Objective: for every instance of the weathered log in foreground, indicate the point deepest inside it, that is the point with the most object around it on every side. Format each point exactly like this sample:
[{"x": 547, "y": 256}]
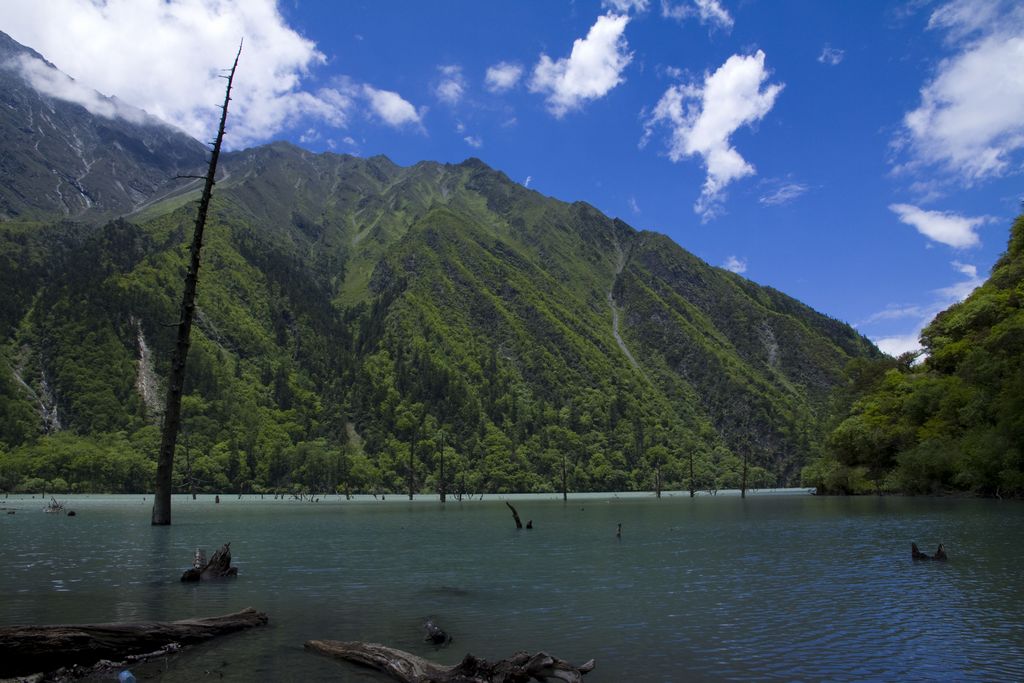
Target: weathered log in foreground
[
  {"x": 219, "y": 566},
  {"x": 409, "y": 668},
  {"x": 33, "y": 649}
]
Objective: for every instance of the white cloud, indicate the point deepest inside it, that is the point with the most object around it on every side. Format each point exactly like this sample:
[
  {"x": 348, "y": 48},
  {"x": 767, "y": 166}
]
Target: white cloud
[
  {"x": 503, "y": 76},
  {"x": 831, "y": 55},
  {"x": 707, "y": 11},
  {"x": 948, "y": 228},
  {"x": 969, "y": 120},
  {"x": 474, "y": 141},
  {"x": 634, "y": 207},
  {"x": 702, "y": 118},
  {"x": 894, "y": 312},
  {"x": 967, "y": 269},
  {"x": 895, "y": 344},
  {"x": 736, "y": 265},
  {"x": 674, "y": 72},
  {"x": 54, "y": 83},
  {"x": 623, "y": 6},
  {"x": 165, "y": 57},
  {"x": 391, "y": 108},
  {"x": 591, "y": 70},
  {"x": 452, "y": 85},
  {"x": 529, "y": 179},
  {"x": 783, "y": 194}
]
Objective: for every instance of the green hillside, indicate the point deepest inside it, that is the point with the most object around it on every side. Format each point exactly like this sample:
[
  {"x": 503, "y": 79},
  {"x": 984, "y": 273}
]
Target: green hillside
[
  {"x": 354, "y": 314},
  {"x": 954, "y": 422}
]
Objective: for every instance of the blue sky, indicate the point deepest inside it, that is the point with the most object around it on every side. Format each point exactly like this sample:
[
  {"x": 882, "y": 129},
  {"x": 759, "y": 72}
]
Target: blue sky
[{"x": 864, "y": 157}]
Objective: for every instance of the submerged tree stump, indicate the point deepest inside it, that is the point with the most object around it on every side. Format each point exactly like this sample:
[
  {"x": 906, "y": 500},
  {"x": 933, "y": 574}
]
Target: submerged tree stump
[
  {"x": 219, "y": 566},
  {"x": 27, "y": 650},
  {"x": 409, "y": 668}
]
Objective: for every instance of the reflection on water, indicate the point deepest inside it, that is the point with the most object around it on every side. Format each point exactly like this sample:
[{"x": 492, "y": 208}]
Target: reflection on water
[{"x": 788, "y": 587}]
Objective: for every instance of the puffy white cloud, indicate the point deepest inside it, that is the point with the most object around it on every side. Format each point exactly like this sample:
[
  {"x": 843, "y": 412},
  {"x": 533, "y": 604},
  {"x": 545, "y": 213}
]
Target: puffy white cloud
[
  {"x": 623, "y": 6},
  {"x": 503, "y": 76},
  {"x": 391, "y": 108},
  {"x": 706, "y": 11},
  {"x": 736, "y": 265},
  {"x": 529, "y": 179},
  {"x": 831, "y": 55},
  {"x": 969, "y": 120},
  {"x": 592, "y": 69},
  {"x": 948, "y": 228},
  {"x": 474, "y": 141},
  {"x": 702, "y": 118},
  {"x": 452, "y": 85},
  {"x": 165, "y": 57},
  {"x": 633, "y": 206},
  {"x": 783, "y": 193}
]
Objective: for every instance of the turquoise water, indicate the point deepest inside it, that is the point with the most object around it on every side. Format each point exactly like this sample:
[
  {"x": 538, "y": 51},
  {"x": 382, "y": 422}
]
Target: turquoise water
[{"x": 791, "y": 587}]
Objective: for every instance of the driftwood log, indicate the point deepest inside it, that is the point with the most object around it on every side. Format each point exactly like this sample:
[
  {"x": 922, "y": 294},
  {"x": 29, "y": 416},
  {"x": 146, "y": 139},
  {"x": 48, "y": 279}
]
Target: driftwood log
[
  {"x": 27, "y": 650},
  {"x": 409, "y": 668},
  {"x": 219, "y": 566}
]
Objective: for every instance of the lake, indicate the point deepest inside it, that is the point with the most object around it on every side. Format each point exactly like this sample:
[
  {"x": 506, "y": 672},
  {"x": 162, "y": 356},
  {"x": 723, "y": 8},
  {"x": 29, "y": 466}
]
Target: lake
[{"x": 774, "y": 586}]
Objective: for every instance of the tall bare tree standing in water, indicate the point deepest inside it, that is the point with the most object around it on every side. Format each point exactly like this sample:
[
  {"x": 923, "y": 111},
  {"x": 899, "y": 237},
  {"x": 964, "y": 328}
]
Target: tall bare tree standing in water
[{"x": 172, "y": 410}]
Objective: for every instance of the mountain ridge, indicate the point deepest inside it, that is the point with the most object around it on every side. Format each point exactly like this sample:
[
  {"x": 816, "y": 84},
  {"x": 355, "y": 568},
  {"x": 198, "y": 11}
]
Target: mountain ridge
[{"x": 352, "y": 311}]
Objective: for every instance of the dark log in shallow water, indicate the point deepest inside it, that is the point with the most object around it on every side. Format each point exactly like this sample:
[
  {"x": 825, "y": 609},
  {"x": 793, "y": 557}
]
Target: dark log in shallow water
[
  {"x": 436, "y": 635},
  {"x": 940, "y": 553},
  {"x": 27, "y": 650},
  {"x": 409, "y": 668},
  {"x": 219, "y": 566}
]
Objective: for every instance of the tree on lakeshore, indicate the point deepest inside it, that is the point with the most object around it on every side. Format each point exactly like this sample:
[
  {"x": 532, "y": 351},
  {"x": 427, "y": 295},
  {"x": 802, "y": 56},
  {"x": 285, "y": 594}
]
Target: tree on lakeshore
[{"x": 172, "y": 412}]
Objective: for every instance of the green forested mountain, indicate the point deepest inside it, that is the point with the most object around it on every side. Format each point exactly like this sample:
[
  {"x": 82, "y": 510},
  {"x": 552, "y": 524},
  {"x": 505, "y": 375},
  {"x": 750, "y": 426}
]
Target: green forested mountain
[
  {"x": 954, "y": 422},
  {"x": 358, "y": 319}
]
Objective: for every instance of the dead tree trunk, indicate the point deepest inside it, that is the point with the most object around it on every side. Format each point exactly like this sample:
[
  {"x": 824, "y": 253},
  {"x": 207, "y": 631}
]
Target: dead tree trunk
[
  {"x": 176, "y": 382},
  {"x": 693, "y": 489},
  {"x": 515, "y": 515},
  {"x": 27, "y": 650},
  {"x": 409, "y": 668}
]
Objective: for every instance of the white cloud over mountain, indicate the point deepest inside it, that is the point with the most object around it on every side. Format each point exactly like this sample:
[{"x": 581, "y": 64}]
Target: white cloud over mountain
[
  {"x": 736, "y": 265},
  {"x": 165, "y": 56},
  {"x": 943, "y": 298},
  {"x": 702, "y": 118},
  {"x": 592, "y": 69},
  {"x": 391, "y": 108}
]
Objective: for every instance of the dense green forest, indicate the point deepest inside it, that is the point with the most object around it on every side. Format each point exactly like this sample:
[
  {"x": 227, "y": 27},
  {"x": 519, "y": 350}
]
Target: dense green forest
[
  {"x": 360, "y": 321},
  {"x": 954, "y": 421}
]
